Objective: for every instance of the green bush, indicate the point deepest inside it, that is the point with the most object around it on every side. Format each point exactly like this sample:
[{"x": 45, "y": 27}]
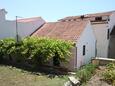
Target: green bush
[
  {"x": 109, "y": 74},
  {"x": 38, "y": 50},
  {"x": 6, "y": 48},
  {"x": 85, "y": 73},
  {"x": 41, "y": 50},
  {"x": 110, "y": 66}
]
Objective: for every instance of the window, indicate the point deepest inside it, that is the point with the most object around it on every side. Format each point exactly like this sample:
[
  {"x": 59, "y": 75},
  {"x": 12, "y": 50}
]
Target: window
[
  {"x": 98, "y": 18},
  {"x": 84, "y": 50},
  {"x": 69, "y": 19},
  {"x": 82, "y": 17},
  {"x": 74, "y": 19},
  {"x": 107, "y": 33},
  {"x": 108, "y": 19}
]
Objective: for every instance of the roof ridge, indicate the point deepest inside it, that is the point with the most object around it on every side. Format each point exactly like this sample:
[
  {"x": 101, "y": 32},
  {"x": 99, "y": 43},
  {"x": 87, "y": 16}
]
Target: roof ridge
[
  {"x": 28, "y": 18},
  {"x": 89, "y": 14},
  {"x": 65, "y": 21}
]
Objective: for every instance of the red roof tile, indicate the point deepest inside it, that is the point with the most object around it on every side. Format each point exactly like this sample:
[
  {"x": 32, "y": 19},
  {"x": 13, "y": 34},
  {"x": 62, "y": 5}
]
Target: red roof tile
[{"x": 70, "y": 30}]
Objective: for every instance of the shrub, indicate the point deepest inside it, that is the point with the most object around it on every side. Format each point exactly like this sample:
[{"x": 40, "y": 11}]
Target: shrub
[
  {"x": 37, "y": 50},
  {"x": 109, "y": 74},
  {"x": 85, "y": 73},
  {"x": 110, "y": 66},
  {"x": 41, "y": 50},
  {"x": 6, "y": 48},
  {"x": 1, "y": 51}
]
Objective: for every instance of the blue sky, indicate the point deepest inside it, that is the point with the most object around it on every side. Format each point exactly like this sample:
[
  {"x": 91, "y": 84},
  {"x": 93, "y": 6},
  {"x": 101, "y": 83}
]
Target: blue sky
[{"x": 52, "y": 10}]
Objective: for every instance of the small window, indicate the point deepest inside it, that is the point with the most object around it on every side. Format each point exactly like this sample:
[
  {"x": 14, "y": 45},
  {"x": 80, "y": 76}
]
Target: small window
[
  {"x": 108, "y": 19},
  {"x": 84, "y": 49},
  {"x": 74, "y": 19},
  {"x": 69, "y": 19},
  {"x": 107, "y": 33},
  {"x": 82, "y": 17},
  {"x": 98, "y": 18}
]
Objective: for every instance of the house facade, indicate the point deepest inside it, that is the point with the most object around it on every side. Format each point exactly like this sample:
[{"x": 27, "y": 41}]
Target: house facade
[
  {"x": 25, "y": 27},
  {"x": 103, "y": 28},
  {"x": 80, "y": 33},
  {"x": 86, "y": 46}
]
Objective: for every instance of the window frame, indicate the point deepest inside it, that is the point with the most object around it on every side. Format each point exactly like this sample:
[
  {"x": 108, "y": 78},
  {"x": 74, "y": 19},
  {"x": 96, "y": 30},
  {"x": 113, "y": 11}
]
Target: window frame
[
  {"x": 98, "y": 18},
  {"x": 84, "y": 50},
  {"x": 108, "y": 33}
]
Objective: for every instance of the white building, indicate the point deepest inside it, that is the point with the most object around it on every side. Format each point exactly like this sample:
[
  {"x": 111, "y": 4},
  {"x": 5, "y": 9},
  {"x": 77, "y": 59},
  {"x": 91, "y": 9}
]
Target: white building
[
  {"x": 103, "y": 25},
  {"x": 80, "y": 33},
  {"x": 25, "y": 27}
]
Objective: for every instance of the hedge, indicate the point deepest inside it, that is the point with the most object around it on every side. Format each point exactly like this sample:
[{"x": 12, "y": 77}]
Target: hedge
[{"x": 37, "y": 50}]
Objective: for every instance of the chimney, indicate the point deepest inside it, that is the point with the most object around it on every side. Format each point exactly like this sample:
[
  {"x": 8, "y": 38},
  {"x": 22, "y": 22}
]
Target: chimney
[{"x": 3, "y": 14}]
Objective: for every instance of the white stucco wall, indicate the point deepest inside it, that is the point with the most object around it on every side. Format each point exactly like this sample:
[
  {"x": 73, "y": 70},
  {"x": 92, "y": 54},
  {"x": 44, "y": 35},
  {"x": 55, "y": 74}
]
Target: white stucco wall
[
  {"x": 112, "y": 21},
  {"x": 8, "y": 28},
  {"x": 100, "y": 31},
  {"x": 87, "y": 38},
  {"x": 27, "y": 28}
]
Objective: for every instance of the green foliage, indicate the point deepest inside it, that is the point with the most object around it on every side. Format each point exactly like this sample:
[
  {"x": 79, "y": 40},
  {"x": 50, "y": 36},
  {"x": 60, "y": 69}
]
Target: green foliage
[
  {"x": 38, "y": 50},
  {"x": 41, "y": 50},
  {"x": 111, "y": 66},
  {"x": 6, "y": 48},
  {"x": 85, "y": 73},
  {"x": 109, "y": 74}
]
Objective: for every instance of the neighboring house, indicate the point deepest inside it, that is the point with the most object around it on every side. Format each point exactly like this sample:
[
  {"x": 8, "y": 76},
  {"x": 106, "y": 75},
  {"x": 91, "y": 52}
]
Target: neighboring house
[
  {"x": 103, "y": 25},
  {"x": 25, "y": 27},
  {"x": 80, "y": 33}
]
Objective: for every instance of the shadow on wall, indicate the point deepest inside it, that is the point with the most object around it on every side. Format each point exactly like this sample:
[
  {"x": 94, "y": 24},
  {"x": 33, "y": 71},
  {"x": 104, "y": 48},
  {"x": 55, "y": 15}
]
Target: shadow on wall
[{"x": 111, "y": 53}]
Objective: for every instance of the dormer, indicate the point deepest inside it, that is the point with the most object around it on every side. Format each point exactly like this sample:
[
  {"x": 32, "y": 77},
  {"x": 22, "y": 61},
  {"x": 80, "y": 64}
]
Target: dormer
[
  {"x": 2, "y": 14},
  {"x": 99, "y": 18}
]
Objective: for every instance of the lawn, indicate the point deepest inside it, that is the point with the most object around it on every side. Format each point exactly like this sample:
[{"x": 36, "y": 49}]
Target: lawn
[{"x": 11, "y": 76}]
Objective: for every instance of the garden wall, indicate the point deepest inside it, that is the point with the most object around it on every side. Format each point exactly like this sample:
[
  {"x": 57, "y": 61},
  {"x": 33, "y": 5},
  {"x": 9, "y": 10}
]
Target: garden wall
[{"x": 102, "y": 61}]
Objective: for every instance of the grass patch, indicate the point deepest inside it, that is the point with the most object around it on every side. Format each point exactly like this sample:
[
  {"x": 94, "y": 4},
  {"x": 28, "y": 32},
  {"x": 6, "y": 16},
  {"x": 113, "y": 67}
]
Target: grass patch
[
  {"x": 85, "y": 73},
  {"x": 12, "y": 76},
  {"x": 109, "y": 73}
]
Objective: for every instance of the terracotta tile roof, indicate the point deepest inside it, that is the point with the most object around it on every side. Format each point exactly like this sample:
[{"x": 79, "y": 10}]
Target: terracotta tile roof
[
  {"x": 70, "y": 30},
  {"x": 28, "y": 19},
  {"x": 88, "y": 15}
]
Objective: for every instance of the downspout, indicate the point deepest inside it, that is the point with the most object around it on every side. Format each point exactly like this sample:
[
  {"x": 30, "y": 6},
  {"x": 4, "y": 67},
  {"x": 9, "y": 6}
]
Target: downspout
[
  {"x": 96, "y": 48},
  {"x": 107, "y": 37}
]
